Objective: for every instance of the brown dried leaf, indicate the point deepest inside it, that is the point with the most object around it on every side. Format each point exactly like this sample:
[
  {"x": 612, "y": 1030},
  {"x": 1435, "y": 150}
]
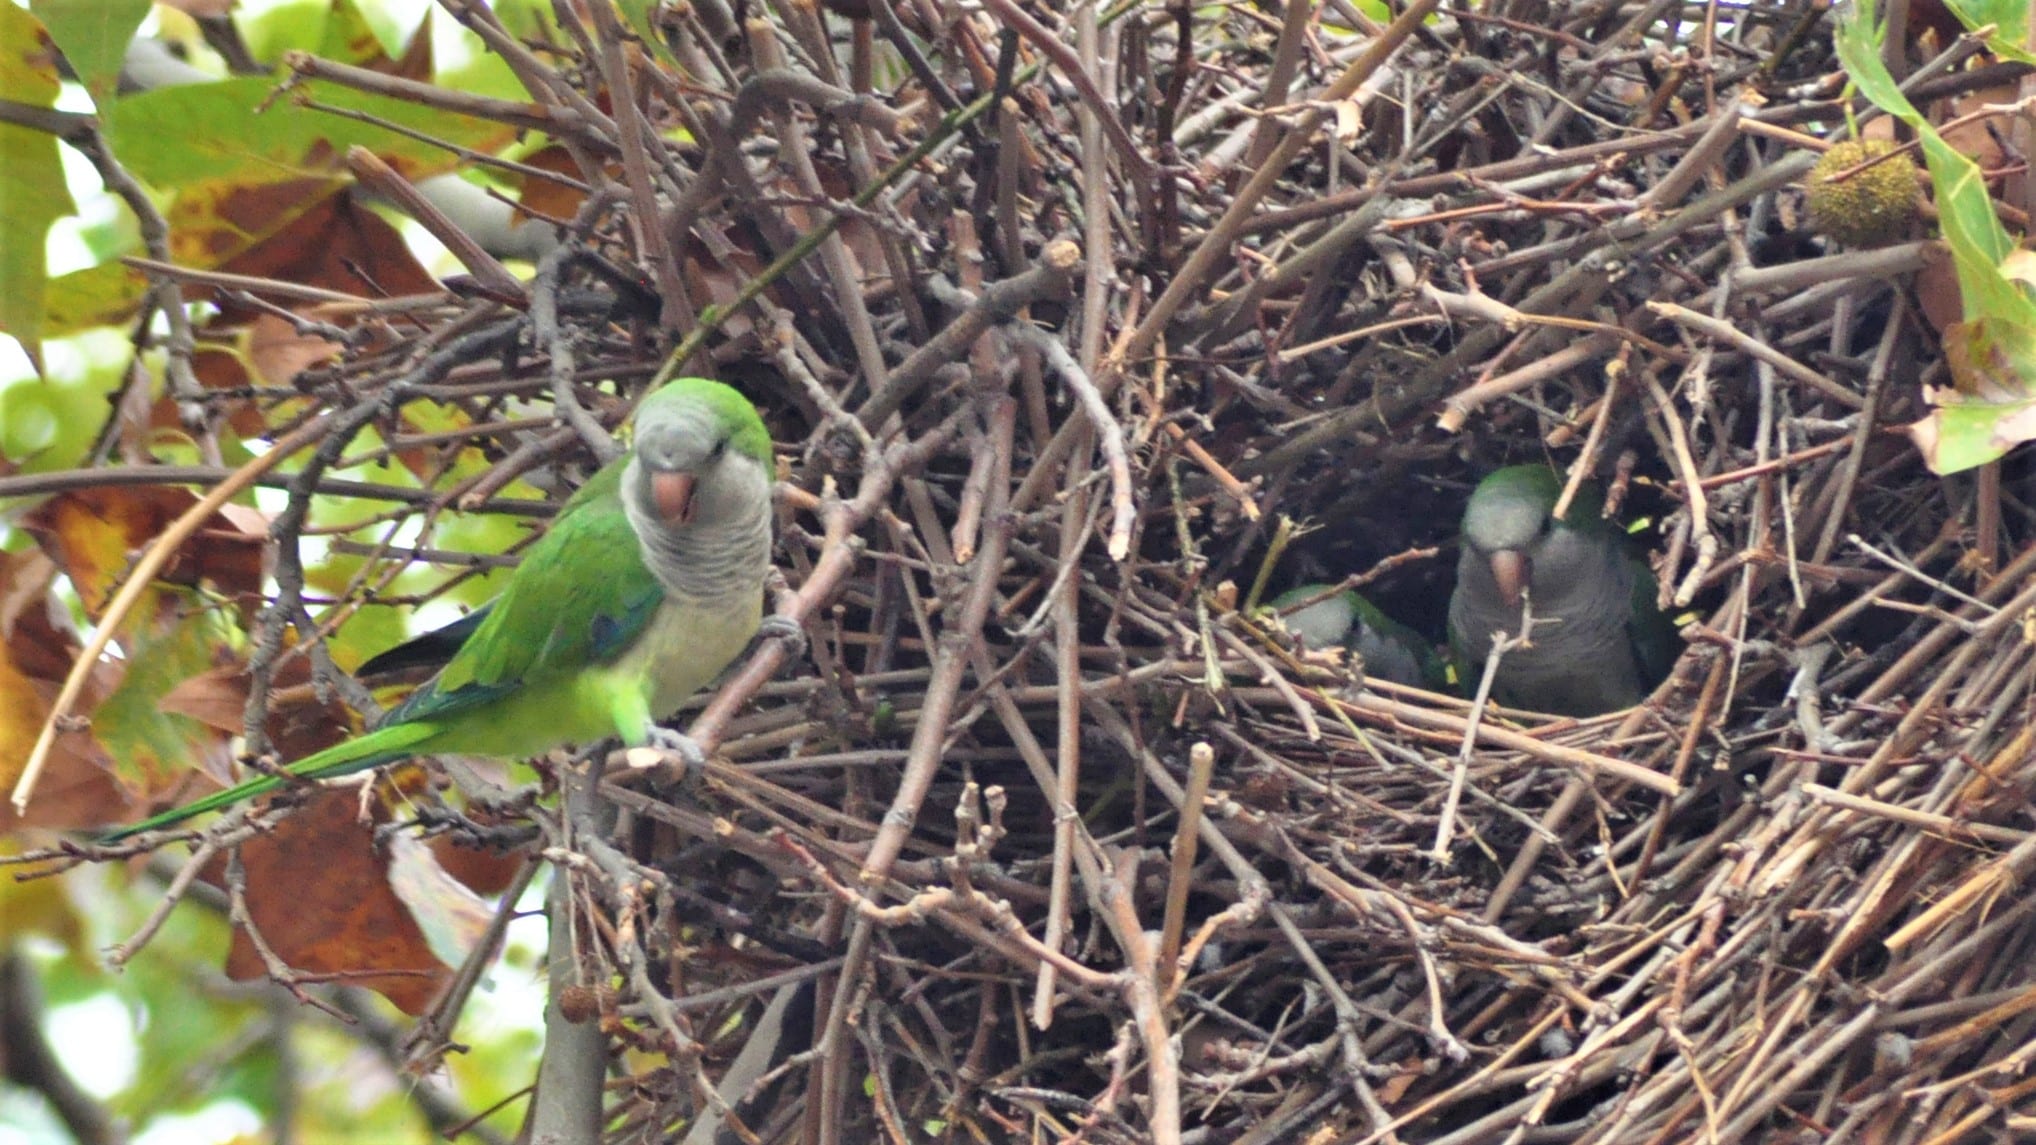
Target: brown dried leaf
[
  {"x": 279, "y": 353},
  {"x": 320, "y": 895},
  {"x": 298, "y": 723},
  {"x": 95, "y": 534}
]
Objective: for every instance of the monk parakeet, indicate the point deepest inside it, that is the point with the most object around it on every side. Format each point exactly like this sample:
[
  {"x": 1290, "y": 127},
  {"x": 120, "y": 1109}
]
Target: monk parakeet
[
  {"x": 1600, "y": 642},
  {"x": 646, "y": 586},
  {"x": 1388, "y": 649}
]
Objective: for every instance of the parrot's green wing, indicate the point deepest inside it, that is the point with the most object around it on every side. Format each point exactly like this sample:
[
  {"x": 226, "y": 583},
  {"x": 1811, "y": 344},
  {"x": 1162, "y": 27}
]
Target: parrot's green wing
[
  {"x": 1651, "y": 630},
  {"x": 434, "y": 648},
  {"x": 555, "y": 617},
  {"x": 581, "y": 595},
  {"x": 1432, "y": 669}
]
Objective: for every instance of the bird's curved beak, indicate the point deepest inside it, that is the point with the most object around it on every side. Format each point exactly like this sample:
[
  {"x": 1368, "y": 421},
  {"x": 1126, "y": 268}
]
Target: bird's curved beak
[
  {"x": 672, "y": 494},
  {"x": 1511, "y": 570}
]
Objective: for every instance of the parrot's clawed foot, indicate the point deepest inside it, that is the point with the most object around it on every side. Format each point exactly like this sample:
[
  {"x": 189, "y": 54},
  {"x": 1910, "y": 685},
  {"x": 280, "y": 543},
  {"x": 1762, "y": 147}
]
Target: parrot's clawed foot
[
  {"x": 681, "y": 745},
  {"x": 778, "y": 626}
]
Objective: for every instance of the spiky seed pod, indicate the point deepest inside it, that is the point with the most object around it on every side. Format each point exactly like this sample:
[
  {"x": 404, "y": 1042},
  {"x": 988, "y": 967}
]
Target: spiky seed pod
[{"x": 1873, "y": 206}]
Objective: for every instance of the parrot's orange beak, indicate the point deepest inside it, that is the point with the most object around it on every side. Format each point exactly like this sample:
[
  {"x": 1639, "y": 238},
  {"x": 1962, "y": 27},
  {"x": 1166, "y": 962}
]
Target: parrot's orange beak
[
  {"x": 672, "y": 494},
  {"x": 1511, "y": 570}
]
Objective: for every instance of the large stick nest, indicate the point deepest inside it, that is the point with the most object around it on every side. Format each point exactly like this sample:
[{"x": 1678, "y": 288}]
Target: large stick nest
[{"x": 1046, "y": 394}]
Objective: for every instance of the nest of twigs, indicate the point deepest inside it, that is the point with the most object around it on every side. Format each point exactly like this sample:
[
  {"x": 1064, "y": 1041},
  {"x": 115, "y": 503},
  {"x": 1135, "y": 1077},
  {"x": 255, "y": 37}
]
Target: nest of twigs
[{"x": 1069, "y": 843}]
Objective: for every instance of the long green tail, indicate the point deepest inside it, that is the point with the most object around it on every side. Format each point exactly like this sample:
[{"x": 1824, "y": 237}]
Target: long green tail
[{"x": 384, "y": 745}]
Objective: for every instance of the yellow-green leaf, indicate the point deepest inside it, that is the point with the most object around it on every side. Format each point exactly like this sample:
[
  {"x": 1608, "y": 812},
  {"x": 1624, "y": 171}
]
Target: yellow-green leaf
[{"x": 94, "y": 35}]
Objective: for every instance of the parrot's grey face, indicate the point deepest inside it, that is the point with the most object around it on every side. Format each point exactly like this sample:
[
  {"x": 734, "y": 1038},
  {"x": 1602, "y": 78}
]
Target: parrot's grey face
[
  {"x": 685, "y": 469},
  {"x": 1522, "y": 543}
]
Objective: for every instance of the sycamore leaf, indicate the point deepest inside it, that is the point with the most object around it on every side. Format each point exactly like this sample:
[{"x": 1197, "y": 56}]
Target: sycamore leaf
[
  {"x": 452, "y": 917},
  {"x": 318, "y": 890},
  {"x": 1992, "y": 352},
  {"x": 33, "y": 193},
  {"x": 94, "y": 35},
  {"x": 1989, "y": 407},
  {"x": 2009, "y": 20}
]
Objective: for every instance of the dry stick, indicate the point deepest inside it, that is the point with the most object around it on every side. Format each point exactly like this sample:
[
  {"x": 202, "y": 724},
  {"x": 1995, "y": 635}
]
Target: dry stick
[
  {"x": 923, "y": 758},
  {"x": 1097, "y": 279},
  {"x": 1255, "y": 896},
  {"x": 1109, "y": 435},
  {"x": 1693, "y": 491},
  {"x": 1286, "y": 64},
  {"x": 1848, "y": 475},
  {"x": 1237, "y": 312},
  {"x": 250, "y": 284},
  {"x": 1956, "y": 830},
  {"x": 1882, "y": 264},
  {"x": 516, "y": 113},
  {"x": 1727, "y": 333},
  {"x": 1214, "y": 248},
  {"x": 834, "y": 253},
  {"x": 494, "y": 278},
  {"x": 1068, "y": 735},
  {"x": 1000, "y": 301},
  {"x": 1181, "y": 871},
  {"x": 1987, "y": 611},
  {"x": 1700, "y": 716},
  {"x": 1142, "y": 172},
  {"x": 546, "y": 332},
  {"x": 138, "y": 476},
  {"x": 635, "y": 139},
  {"x": 164, "y": 298},
  {"x": 1467, "y": 401},
  {"x": 1591, "y": 253},
  {"x": 1590, "y": 763},
  {"x": 1143, "y": 986},
  {"x": 1445, "y": 823},
  {"x": 137, "y": 582},
  {"x": 710, "y": 319}
]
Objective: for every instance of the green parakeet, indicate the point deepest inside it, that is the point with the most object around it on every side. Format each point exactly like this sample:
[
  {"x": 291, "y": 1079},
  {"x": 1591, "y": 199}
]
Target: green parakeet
[
  {"x": 1388, "y": 649},
  {"x": 646, "y": 586},
  {"x": 1600, "y": 642}
]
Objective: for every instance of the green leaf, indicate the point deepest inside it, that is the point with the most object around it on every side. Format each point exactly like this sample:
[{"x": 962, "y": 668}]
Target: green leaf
[
  {"x": 49, "y": 424},
  {"x": 1963, "y": 435},
  {"x": 2010, "y": 19},
  {"x": 33, "y": 193},
  {"x": 283, "y": 28},
  {"x": 28, "y": 68},
  {"x": 101, "y": 295},
  {"x": 348, "y": 37},
  {"x": 148, "y": 743},
  {"x": 220, "y": 133},
  {"x": 94, "y": 35},
  {"x": 1992, "y": 352},
  {"x": 32, "y": 196},
  {"x": 1978, "y": 241}
]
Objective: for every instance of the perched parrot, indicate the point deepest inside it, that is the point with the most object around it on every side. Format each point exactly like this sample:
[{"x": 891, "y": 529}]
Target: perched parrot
[
  {"x": 1388, "y": 649},
  {"x": 646, "y": 586},
  {"x": 1600, "y": 642}
]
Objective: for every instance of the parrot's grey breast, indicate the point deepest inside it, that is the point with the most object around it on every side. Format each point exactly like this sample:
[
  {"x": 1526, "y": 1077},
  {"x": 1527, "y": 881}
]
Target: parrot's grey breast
[{"x": 1580, "y": 660}]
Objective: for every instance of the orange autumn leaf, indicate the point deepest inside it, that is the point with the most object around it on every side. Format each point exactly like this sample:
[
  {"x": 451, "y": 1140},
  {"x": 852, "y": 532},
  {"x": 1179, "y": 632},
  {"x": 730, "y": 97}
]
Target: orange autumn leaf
[{"x": 95, "y": 534}]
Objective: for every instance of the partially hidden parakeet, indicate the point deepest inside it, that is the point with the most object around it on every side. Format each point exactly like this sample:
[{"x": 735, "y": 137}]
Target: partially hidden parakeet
[
  {"x": 645, "y": 588},
  {"x": 1388, "y": 649},
  {"x": 1600, "y": 641}
]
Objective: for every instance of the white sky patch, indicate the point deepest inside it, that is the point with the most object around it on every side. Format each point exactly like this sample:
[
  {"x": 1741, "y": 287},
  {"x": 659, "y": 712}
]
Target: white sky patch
[
  {"x": 221, "y": 1121},
  {"x": 95, "y": 1039}
]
